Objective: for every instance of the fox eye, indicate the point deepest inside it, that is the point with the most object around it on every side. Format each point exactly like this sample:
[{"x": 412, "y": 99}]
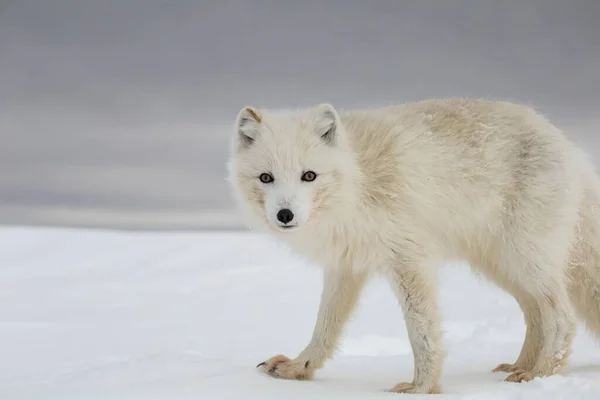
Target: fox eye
[
  {"x": 266, "y": 178},
  {"x": 309, "y": 176}
]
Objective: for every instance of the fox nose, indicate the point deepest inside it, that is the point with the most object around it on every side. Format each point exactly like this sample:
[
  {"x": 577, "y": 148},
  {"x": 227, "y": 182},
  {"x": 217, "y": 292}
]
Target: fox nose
[{"x": 285, "y": 215}]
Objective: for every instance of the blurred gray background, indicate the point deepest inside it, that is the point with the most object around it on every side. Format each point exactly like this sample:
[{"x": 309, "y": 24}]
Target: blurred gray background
[{"x": 117, "y": 113}]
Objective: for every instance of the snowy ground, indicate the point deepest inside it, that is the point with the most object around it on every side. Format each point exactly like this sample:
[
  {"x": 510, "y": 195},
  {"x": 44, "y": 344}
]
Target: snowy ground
[{"x": 103, "y": 315}]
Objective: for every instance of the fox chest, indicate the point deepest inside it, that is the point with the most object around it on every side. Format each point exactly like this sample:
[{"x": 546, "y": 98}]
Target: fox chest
[{"x": 345, "y": 251}]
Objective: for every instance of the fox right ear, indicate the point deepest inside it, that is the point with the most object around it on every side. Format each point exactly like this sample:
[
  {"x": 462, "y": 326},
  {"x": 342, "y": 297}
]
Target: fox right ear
[{"x": 247, "y": 126}]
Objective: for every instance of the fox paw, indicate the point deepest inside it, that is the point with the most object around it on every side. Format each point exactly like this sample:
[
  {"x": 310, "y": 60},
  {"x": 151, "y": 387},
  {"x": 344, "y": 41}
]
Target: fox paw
[
  {"x": 405, "y": 387},
  {"x": 524, "y": 376},
  {"x": 282, "y": 367},
  {"x": 507, "y": 368}
]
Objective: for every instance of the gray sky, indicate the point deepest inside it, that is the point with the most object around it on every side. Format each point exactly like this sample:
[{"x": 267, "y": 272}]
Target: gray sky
[{"x": 117, "y": 113}]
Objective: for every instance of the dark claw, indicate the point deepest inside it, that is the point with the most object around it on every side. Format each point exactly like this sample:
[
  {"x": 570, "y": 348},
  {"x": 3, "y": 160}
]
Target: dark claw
[{"x": 261, "y": 364}]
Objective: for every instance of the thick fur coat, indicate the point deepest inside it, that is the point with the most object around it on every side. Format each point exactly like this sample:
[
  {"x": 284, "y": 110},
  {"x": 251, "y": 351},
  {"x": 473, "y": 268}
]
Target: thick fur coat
[{"x": 397, "y": 190}]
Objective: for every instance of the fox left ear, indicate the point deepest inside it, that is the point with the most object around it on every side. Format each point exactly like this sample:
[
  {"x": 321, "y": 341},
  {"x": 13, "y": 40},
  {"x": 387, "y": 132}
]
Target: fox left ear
[{"x": 327, "y": 124}]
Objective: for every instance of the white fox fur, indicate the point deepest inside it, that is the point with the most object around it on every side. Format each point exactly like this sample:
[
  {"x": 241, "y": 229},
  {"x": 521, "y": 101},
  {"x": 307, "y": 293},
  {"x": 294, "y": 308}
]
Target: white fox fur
[{"x": 400, "y": 189}]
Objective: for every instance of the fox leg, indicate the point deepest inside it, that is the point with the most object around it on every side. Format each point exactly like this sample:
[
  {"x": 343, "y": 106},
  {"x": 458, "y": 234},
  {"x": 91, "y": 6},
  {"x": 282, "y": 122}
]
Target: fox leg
[
  {"x": 533, "y": 336},
  {"x": 557, "y": 326},
  {"x": 415, "y": 285},
  {"x": 341, "y": 291},
  {"x": 541, "y": 275}
]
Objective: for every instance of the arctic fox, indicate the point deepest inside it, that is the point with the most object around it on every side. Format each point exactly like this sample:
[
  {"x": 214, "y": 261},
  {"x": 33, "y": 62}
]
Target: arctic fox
[{"x": 395, "y": 190}]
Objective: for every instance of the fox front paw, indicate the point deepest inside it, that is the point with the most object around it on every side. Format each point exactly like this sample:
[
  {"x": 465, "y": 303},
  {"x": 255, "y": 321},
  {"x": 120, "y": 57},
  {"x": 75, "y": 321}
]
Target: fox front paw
[
  {"x": 405, "y": 387},
  {"x": 282, "y": 367}
]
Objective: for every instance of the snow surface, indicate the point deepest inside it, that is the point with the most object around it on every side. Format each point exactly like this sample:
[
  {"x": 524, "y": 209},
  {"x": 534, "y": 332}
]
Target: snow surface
[{"x": 105, "y": 315}]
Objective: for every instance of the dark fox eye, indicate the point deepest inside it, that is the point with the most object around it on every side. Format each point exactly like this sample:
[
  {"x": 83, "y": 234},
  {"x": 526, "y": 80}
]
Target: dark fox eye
[
  {"x": 309, "y": 176},
  {"x": 266, "y": 178}
]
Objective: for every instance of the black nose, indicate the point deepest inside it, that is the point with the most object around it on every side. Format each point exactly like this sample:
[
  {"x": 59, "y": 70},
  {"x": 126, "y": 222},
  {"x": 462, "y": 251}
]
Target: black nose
[{"x": 285, "y": 215}]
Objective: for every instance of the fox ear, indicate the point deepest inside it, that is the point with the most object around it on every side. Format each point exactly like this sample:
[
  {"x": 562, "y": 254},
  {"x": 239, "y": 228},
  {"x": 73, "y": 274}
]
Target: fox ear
[
  {"x": 327, "y": 124},
  {"x": 247, "y": 125}
]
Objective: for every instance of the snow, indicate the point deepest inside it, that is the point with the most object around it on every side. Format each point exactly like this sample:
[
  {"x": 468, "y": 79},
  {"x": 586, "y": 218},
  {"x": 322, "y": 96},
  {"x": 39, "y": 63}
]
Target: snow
[{"x": 121, "y": 315}]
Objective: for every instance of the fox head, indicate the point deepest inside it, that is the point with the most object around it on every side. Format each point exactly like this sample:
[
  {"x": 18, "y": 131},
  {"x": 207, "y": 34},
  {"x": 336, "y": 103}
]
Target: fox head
[{"x": 288, "y": 168}]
